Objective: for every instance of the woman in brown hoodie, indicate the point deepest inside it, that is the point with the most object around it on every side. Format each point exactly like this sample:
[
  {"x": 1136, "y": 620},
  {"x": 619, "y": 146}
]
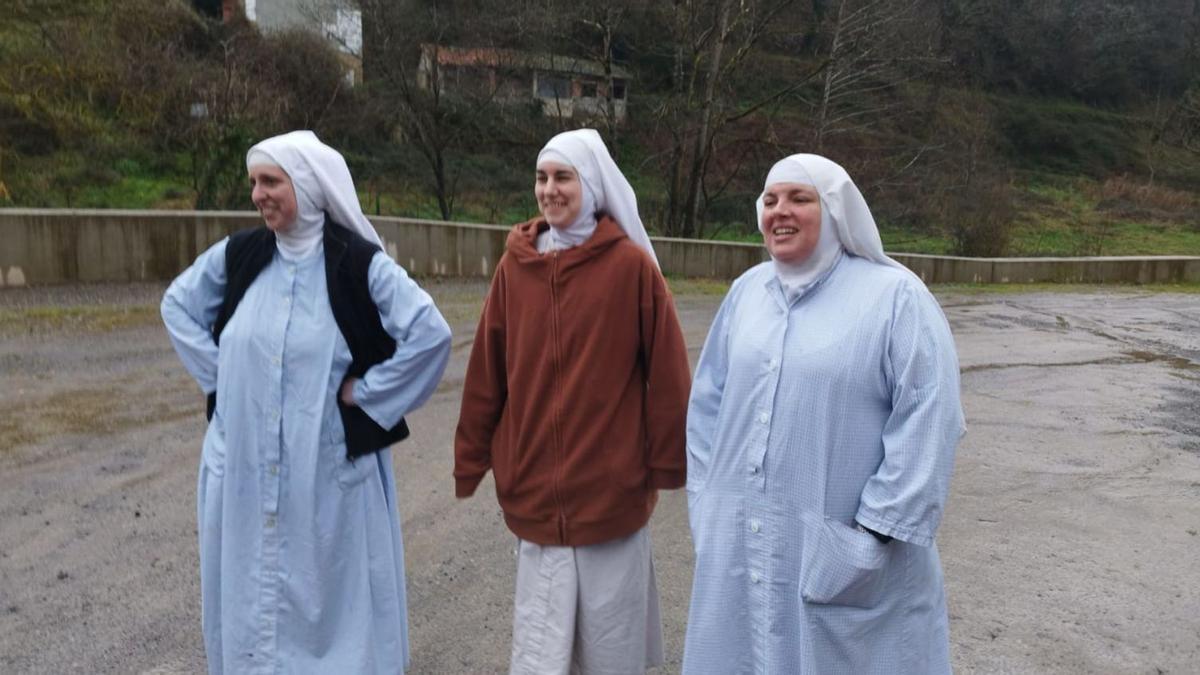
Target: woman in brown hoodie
[{"x": 575, "y": 397}]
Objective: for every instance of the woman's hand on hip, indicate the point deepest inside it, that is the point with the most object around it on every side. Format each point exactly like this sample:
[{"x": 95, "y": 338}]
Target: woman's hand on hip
[{"x": 347, "y": 393}]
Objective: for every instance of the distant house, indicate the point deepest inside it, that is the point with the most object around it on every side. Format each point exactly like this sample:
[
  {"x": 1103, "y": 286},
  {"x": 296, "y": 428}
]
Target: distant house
[
  {"x": 338, "y": 21},
  {"x": 566, "y": 86}
]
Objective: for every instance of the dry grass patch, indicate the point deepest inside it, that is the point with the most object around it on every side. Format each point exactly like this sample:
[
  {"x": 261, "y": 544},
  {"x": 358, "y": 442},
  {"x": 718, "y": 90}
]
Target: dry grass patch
[
  {"x": 41, "y": 320},
  {"x": 1124, "y": 197},
  {"x": 96, "y": 411},
  {"x": 706, "y": 287}
]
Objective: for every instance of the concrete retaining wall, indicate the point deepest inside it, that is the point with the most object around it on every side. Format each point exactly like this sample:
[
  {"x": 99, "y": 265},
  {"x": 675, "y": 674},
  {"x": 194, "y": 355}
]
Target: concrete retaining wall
[
  {"x": 48, "y": 246},
  {"x": 1107, "y": 269}
]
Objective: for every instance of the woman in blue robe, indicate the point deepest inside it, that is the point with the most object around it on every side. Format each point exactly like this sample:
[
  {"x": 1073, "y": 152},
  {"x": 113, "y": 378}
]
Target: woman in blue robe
[
  {"x": 301, "y": 559},
  {"x": 822, "y": 425}
]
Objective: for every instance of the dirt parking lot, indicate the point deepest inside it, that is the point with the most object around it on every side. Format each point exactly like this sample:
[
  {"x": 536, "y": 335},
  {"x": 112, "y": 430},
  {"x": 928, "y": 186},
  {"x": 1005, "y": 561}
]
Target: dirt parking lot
[{"x": 1071, "y": 542}]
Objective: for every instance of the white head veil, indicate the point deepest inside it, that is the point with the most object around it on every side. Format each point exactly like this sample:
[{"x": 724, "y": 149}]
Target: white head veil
[
  {"x": 844, "y": 215},
  {"x": 322, "y": 183},
  {"x": 605, "y": 189},
  {"x": 584, "y": 225}
]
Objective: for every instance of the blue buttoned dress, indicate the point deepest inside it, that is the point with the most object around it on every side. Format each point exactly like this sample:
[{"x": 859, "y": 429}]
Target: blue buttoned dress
[
  {"x": 806, "y": 416},
  {"x": 301, "y": 560}
]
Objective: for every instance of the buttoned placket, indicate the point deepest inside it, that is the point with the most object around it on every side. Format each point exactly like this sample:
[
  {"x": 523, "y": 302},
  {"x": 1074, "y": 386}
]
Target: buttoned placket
[
  {"x": 271, "y": 467},
  {"x": 757, "y": 518},
  {"x": 760, "y": 433}
]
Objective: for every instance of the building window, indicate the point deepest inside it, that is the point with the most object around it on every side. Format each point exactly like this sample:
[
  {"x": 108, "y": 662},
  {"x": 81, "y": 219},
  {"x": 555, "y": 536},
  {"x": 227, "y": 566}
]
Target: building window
[
  {"x": 618, "y": 92},
  {"x": 550, "y": 86},
  {"x": 588, "y": 90},
  {"x": 512, "y": 85}
]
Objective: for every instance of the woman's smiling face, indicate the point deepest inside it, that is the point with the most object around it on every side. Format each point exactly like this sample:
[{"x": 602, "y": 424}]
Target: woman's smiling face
[
  {"x": 274, "y": 196},
  {"x": 791, "y": 221},
  {"x": 559, "y": 193}
]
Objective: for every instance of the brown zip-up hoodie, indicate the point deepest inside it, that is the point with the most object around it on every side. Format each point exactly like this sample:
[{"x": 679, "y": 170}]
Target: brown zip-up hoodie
[{"x": 576, "y": 391}]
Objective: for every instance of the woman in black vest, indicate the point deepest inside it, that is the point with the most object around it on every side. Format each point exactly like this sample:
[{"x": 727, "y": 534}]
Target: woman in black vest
[{"x": 312, "y": 344}]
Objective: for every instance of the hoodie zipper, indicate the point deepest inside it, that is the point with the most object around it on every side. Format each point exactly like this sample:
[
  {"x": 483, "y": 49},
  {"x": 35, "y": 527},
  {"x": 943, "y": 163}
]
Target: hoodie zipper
[{"x": 557, "y": 408}]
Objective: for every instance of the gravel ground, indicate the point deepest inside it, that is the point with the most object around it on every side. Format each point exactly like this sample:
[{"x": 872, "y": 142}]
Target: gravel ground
[{"x": 1070, "y": 542}]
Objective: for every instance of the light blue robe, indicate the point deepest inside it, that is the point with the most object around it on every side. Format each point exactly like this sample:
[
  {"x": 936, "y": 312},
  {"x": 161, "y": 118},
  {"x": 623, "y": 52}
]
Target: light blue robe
[
  {"x": 301, "y": 560},
  {"x": 842, "y": 406}
]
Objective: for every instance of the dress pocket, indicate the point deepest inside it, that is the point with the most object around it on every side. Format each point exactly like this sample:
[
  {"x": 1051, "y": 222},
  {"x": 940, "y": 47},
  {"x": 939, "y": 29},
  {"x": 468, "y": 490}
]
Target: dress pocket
[
  {"x": 348, "y": 473},
  {"x": 212, "y": 455},
  {"x": 503, "y": 457},
  {"x": 841, "y": 565}
]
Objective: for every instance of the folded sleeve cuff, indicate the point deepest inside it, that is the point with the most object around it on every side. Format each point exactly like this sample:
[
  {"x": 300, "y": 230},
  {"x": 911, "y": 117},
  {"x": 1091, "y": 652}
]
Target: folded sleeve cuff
[
  {"x": 465, "y": 487},
  {"x": 871, "y": 520}
]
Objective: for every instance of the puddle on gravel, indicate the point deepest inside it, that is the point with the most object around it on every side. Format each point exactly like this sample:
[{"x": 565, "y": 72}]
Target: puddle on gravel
[
  {"x": 1181, "y": 413},
  {"x": 1128, "y": 357},
  {"x": 1169, "y": 359}
]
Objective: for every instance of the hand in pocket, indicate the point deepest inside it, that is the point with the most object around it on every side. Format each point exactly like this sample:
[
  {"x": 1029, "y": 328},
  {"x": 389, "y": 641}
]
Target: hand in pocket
[{"x": 841, "y": 565}]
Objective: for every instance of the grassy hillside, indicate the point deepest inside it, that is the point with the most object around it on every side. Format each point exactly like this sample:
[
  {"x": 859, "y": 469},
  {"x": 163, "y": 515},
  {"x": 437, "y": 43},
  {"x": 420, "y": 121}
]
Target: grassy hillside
[
  {"x": 1057, "y": 214},
  {"x": 97, "y": 111}
]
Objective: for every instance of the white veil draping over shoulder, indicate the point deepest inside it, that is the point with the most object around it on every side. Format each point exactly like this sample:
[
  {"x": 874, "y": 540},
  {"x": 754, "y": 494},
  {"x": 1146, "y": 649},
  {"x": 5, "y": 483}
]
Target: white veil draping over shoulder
[
  {"x": 322, "y": 183},
  {"x": 851, "y": 217},
  {"x": 610, "y": 192}
]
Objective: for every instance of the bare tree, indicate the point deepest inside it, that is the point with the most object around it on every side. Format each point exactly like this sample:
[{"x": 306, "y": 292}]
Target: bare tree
[
  {"x": 972, "y": 192},
  {"x": 1186, "y": 123},
  {"x": 711, "y": 42},
  {"x": 871, "y": 51},
  {"x": 606, "y": 19},
  {"x": 404, "y": 48}
]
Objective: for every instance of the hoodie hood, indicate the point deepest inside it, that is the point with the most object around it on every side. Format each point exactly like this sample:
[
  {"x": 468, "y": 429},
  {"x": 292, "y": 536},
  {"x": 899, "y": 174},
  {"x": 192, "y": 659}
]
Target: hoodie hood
[{"x": 522, "y": 243}]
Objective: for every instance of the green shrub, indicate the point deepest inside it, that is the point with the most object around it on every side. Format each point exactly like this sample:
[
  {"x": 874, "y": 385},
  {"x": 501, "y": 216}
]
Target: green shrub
[{"x": 1067, "y": 138}]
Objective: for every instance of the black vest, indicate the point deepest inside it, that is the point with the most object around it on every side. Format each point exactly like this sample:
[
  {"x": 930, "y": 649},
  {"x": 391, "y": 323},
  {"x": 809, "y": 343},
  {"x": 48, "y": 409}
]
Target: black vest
[{"x": 347, "y": 264}]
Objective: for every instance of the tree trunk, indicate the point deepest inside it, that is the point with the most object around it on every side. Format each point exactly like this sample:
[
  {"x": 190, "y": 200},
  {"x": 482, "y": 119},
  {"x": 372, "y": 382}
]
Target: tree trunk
[
  {"x": 701, "y": 147},
  {"x": 830, "y": 74},
  {"x": 441, "y": 187},
  {"x": 610, "y": 101}
]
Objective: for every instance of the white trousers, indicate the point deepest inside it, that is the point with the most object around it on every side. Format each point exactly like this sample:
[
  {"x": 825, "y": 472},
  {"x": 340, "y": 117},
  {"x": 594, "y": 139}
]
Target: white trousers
[{"x": 587, "y": 610}]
